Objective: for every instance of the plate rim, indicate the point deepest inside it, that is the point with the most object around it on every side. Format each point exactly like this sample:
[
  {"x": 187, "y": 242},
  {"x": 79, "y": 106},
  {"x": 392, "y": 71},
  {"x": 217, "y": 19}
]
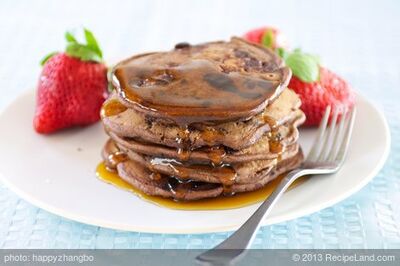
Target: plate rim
[{"x": 217, "y": 229}]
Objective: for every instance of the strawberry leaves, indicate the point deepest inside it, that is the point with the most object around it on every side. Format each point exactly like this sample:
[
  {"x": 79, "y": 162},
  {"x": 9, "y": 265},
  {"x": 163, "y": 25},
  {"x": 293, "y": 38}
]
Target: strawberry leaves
[
  {"x": 47, "y": 57},
  {"x": 89, "y": 51},
  {"x": 69, "y": 37},
  {"x": 267, "y": 38},
  {"x": 92, "y": 43},
  {"x": 82, "y": 52}
]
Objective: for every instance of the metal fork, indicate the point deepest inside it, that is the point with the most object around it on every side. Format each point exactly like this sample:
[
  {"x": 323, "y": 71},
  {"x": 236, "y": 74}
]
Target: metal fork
[{"x": 325, "y": 157}]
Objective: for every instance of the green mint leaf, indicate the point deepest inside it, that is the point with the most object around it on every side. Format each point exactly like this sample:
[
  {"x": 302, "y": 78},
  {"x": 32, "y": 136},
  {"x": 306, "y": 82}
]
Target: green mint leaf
[
  {"x": 91, "y": 42},
  {"x": 304, "y": 66},
  {"x": 70, "y": 37},
  {"x": 82, "y": 52},
  {"x": 282, "y": 52},
  {"x": 47, "y": 57},
  {"x": 267, "y": 38}
]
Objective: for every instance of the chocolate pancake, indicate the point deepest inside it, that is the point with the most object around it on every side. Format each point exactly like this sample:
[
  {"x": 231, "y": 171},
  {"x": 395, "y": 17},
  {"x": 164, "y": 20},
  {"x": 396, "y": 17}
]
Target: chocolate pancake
[
  {"x": 217, "y": 81},
  {"x": 244, "y": 172},
  {"x": 237, "y": 135},
  {"x": 258, "y": 151},
  {"x": 169, "y": 187}
]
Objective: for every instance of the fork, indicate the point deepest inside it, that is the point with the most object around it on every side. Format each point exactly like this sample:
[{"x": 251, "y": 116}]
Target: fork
[{"x": 326, "y": 156}]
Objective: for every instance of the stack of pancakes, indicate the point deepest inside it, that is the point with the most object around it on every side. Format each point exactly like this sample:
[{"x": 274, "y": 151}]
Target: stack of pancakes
[{"x": 202, "y": 120}]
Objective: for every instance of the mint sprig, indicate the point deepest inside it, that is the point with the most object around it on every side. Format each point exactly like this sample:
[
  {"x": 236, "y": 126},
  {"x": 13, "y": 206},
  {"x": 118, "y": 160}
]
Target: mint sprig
[
  {"x": 88, "y": 51},
  {"x": 281, "y": 52},
  {"x": 304, "y": 66}
]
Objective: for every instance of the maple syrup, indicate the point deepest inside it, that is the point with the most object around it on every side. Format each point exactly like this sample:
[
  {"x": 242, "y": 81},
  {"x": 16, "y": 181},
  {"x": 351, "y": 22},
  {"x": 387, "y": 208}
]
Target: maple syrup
[
  {"x": 112, "y": 107},
  {"x": 274, "y": 137},
  {"x": 219, "y": 203},
  {"x": 209, "y": 135},
  {"x": 275, "y": 142},
  {"x": 216, "y": 155},
  {"x": 183, "y": 142},
  {"x": 183, "y": 154},
  {"x": 225, "y": 174},
  {"x": 115, "y": 158},
  {"x": 273, "y": 124}
]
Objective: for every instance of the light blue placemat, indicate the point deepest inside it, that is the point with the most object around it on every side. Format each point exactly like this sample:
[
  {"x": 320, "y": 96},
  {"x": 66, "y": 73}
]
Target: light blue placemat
[{"x": 358, "y": 39}]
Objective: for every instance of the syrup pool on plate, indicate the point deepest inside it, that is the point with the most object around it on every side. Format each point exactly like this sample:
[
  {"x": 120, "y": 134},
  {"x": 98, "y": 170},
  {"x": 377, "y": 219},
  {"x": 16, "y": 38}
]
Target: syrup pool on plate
[{"x": 219, "y": 203}]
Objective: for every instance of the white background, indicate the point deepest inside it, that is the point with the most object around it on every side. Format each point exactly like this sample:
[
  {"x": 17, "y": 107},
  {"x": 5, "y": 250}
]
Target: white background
[{"x": 354, "y": 38}]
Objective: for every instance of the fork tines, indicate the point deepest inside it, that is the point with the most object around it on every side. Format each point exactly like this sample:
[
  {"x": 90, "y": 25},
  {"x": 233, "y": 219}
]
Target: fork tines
[{"x": 332, "y": 141}]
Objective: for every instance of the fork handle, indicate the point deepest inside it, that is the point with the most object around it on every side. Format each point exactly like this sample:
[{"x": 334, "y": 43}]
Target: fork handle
[{"x": 242, "y": 238}]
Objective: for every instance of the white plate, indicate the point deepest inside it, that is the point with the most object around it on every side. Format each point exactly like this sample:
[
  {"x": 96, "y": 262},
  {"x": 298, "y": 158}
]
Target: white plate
[{"x": 57, "y": 173}]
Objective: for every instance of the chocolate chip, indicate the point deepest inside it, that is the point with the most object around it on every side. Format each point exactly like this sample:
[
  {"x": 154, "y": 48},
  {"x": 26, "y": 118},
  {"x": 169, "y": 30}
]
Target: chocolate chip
[
  {"x": 251, "y": 62},
  {"x": 182, "y": 45},
  {"x": 268, "y": 66},
  {"x": 241, "y": 54}
]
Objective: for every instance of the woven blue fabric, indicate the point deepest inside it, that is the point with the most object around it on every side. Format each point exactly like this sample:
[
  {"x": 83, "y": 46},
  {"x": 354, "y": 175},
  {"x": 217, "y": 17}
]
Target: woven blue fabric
[{"x": 358, "y": 39}]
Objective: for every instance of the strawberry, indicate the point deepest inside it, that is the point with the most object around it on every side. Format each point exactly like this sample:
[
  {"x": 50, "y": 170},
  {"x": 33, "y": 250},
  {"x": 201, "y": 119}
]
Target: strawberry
[
  {"x": 267, "y": 36},
  {"x": 72, "y": 86},
  {"x": 328, "y": 90},
  {"x": 316, "y": 86}
]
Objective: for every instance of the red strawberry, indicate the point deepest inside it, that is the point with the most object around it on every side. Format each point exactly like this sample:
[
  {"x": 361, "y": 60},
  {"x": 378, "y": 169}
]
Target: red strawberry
[
  {"x": 317, "y": 87},
  {"x": 267, "y": 36},
  {"x": 328, "y": 90},
  {"x": 72, "y": 86}
]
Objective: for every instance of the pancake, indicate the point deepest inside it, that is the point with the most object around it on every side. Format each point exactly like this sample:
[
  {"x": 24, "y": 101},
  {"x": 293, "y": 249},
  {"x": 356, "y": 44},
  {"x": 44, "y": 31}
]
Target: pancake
[
  {"x": 217, "y": 81},
  {"x": 138, "y": 176},
  {"x": 243, "y": 172},
  {"x": 257, "y": 151},
  {"x": 235, "y": 135}
]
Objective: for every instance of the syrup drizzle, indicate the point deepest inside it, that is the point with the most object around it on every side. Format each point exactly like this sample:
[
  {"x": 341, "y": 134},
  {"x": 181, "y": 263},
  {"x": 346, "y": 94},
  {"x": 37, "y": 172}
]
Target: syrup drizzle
[
  {"x": 209, "y": 135},
  {"x": 216, "y": 155},
  {"x": 274, "y": 137},
  {"x": 180, "y": 182},
  {"x": 114, "y": 159},
  {"x": 219, "y": 203},
  {"x": 112, "y": 107},
  {"x": 224, "y": 173},
  {"x": 183, "y": 142}
]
